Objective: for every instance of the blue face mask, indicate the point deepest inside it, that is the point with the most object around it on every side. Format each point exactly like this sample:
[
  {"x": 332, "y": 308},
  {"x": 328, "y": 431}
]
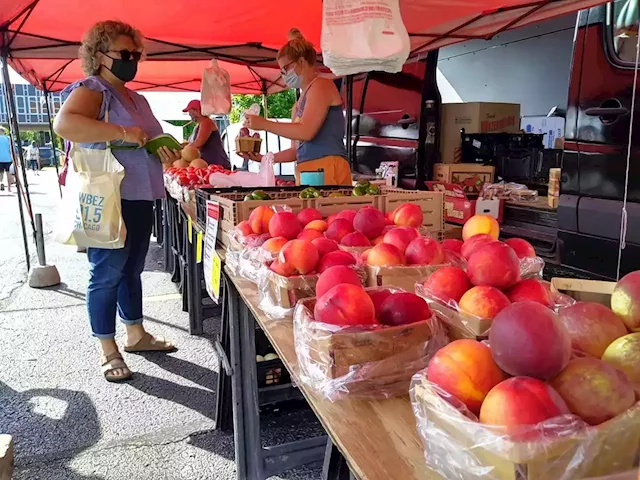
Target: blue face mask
[{"x": 292, "y": 79}]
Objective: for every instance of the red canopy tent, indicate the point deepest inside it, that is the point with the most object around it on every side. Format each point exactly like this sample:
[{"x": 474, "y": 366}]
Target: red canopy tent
[{"x": 241, "y": 32}]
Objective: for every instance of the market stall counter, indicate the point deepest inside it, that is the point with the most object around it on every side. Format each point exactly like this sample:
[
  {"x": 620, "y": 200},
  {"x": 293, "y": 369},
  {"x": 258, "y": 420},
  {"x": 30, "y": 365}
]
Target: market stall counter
[{"x": 377, "y": 437}]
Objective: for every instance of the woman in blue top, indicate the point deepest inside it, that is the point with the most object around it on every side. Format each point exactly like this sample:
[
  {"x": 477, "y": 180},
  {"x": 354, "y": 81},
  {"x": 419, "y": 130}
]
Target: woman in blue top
[
  {"x": 318, "y": 120},
  {"x": 110, "y": 53}
]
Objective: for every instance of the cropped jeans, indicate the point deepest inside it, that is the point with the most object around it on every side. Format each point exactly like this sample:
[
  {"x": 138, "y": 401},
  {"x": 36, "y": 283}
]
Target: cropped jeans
[{"x": 115, "y": 284}]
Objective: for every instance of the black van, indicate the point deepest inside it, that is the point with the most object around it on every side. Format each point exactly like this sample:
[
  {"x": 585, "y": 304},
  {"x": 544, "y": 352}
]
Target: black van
[{"x": 584, "y": 234}]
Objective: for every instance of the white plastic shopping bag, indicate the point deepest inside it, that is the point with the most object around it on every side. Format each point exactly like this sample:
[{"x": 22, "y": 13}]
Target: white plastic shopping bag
[
  {"x": 91, "y": 214},
  {"x": 363, "y": 35},
  {"x": 264, "y": 178},
  {"x": 215, "y": 95}
]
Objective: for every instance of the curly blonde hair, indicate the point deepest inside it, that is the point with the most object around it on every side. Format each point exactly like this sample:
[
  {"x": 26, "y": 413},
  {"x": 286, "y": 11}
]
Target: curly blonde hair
[
  {"x": 298, "y": 47},
  {"x": 98, "y": 39}
]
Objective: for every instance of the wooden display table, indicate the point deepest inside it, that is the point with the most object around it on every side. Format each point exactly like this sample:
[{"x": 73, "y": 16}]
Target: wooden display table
[{"x": 378, "y": 438}]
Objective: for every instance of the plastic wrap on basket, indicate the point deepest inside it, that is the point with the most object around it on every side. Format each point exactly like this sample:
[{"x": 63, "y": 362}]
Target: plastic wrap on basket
[
  {"x": 366, "y": 361},
  {"x": 458, "y": 447},
  {"x": 531, "y": 267},
  {"x": 279, "y": 294}
]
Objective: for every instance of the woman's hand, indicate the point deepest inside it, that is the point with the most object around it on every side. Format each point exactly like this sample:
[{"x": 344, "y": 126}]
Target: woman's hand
[
  {"x": 168, "y": 156},
  {"x": 254, "y": 156},
  {"x": 255, "y": 122},
  {"x": 135, "y": 135}
]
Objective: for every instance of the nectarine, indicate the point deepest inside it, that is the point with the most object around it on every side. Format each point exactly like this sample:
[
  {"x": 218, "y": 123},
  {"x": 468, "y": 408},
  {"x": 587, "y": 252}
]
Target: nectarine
[
  {"x": 408, "y": 215},
  {"x": 274, "y": 245},
  {"x": 424, "y": 251},
  {"x": 336, "y": 275},
  {"x": 338, "y": 229},
  {"x": 452, "y": 245},
  {"x": 481, "y": 224},
  {"x": 355, "y": 239},
  {"x": 385, "y": 255},
  {"x": 530, "y": 289},
  {"x": 483, "y": 302},
  {"x": 447, "y": 284},
  {"x": 403, "y": 309},
  {"x": 319, "y": 225},
  {"x": 369, "y": 221},
  {"x": 345, "y": 305},
  {"x": 625, "y": 300},
  {"x": 285, "y": 224},
  {"x": 494, "y": 264},
  {"x": 300, "y": 256},
  {"x": 401, "y": 237},
  {"x": 324, "y": 245},
  {"x": 335, "y": 258},
  {"x": 522, "y": 248},
  {"x": 259, "y": 219},
  {"x": 624, "y": 354},
  {"x": 307, "y": 215},
  {"x": 475, "y": 242}
]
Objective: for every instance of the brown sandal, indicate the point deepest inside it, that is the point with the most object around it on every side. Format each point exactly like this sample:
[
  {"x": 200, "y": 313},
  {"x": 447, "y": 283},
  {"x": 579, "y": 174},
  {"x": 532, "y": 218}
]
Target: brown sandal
[
  {"x": 113, "y": 362},
  {"x": 149, "y": 343}
]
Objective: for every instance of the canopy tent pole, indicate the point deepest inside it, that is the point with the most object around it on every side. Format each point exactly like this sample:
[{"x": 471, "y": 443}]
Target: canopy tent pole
[
  {"x": 15, "y": 139},
  {"x": 53, "y": 138},
  {"x": 266, "y": 114},
  {"x": 349, "y": 119}
]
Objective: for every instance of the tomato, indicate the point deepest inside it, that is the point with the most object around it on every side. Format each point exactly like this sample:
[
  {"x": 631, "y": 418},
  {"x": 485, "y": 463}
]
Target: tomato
[{"x": 183, "y": 180}]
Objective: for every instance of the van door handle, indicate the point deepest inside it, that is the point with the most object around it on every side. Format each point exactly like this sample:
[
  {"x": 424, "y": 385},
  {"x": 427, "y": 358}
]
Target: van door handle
[
  {"x": 606, "y": 111},
  {"x": 406, "y": 121}
]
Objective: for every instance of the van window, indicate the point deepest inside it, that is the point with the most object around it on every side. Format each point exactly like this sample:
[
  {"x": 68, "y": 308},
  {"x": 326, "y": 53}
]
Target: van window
[{"x": 625, "y": 30}]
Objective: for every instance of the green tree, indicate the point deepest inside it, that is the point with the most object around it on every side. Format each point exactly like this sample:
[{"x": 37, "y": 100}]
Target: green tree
[{"x": 279, "y": 105}]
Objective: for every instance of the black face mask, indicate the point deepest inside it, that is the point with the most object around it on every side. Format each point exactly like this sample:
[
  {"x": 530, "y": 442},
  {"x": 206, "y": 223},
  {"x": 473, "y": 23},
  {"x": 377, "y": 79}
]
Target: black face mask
[{"x": 124, "y": 70}]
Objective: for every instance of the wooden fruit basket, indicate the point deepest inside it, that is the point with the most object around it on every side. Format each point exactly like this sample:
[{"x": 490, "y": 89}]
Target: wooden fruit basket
[
  {"x": 404, "y": 277},
  {"x": 248, "y": 144},
  {"x": 432, "y": 204},
  {"x": 608, "y": 448},
  {"x": 286, "y": 291},
  {"x": 359, "y": 361}
]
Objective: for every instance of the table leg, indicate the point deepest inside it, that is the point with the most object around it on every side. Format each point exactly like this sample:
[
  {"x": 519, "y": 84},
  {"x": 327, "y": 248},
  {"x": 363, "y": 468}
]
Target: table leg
[
  {"x": 335, "y": 466},
  {"x": 224, "y": 404},
  {"x": 166, "y": 237},
  {"x": 157, "y": 224}
]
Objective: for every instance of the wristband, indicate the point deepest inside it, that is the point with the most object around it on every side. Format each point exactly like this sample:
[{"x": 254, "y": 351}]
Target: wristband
[{"x": 124, "y": 133}]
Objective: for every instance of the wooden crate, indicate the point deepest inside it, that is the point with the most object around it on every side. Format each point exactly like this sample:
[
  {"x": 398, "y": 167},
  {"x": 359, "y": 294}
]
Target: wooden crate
[
  {"x": 432, "y": 204},
  {"x": 369, "y": 360},
  {"x": 404, "y": 277},
  {"x": 584, "y": 290},
  {"x": 614, "y": 447},
  {"x": 333, "y": 205}
]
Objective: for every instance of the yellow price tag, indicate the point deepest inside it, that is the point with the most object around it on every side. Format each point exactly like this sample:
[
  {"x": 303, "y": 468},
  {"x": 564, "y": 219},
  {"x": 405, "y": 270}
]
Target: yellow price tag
[
  {"x": 216, "y": 270},
  {"x": 190, "y": 229},
  {"x": 199, "y": 247}
]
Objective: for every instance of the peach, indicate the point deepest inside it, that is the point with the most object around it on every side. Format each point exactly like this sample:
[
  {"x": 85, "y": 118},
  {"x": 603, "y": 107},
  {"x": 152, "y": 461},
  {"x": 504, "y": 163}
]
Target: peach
[
  {"x": 260, "y": 218},
  {"x": 483, "y": 302},
  {"x": 424, "y": 251},
  {"x": 377, "y": 240},
  {"x": 244, "y": 228},
  {"x": 594, "y": 390},
  {"x": 494, "y": 264},
  {"x": 281, "y": 269},
  {"x": 285, "y": 224},
  {"x": 529, "y": 340},
  {"x": 403, "y": 309},
  {"x": 385, "y": 255},
  {"x": 401, "y": 237},
  {"x": 338, "y": 229},
  {"x": 481, "y": 224},
  {"x": 378, "y": 297},
  {"x": 335, "y": 258},
  {"x": 466, "y": 370},
  {"x": 308, "y": 215},
  {"x": 347, "y": 215},
  {"x": 521, "y": 401},
  {"x": 310, "y": 235},
  {"x": 408, "y": 215},
  {"x": 345, "y": 305},
  {"x": 592, "y": 327},
  {"x": 369, "y": 221},
  {"x": 624, "y": 354},
  {"x": 324, "y": 245},
  {"x": 274, "y": 245},
  {"x": 522, "y": 248},
  {"x": 355, "y": 239},
  {"x": 319, "y": 225},
  {"x": 474, "y": 243},
  {"x": 365, "y": 256},
  {"x": 388, "y": 218},
  {"x": 530, "y": 289},
  {"x": 448, "y": 284},
  {"x": 331, "y": 218},
  {"x": 336, "y": 275},
  {"x": 625, "y": 300},
  {"x": 300, "y": 256},
  {"x": 452, "y": 245}
]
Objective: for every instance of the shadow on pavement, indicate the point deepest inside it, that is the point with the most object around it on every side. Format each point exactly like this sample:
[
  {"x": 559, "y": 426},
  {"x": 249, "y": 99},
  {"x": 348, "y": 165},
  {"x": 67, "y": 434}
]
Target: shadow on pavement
[
  {"x": 49, "y": 424},
  {"x": 64, "y": 289},
  {"x": 191, "y": 371}
]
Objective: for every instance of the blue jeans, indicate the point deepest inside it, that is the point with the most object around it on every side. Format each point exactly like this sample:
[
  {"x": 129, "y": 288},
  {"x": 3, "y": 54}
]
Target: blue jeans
[{"x": 115, "y": 282}]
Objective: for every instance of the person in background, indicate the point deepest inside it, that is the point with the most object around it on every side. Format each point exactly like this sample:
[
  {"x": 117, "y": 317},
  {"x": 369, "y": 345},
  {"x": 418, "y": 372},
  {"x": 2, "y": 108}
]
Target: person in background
[
  {"x": 317, "y": 118},
  {"x": 100, "y": 109},
  {"x": 5, "y": 160},
  {"x": 33, "y": 155},
  {"x": 206, "y": 137}
]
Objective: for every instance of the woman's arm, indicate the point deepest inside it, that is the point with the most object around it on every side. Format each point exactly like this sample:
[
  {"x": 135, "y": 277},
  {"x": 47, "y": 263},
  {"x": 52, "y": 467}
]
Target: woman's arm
[
  {"x": 77, "y": 121},
  {"x": 285, "y": 156},
  {"x": 205, "y": 129}
]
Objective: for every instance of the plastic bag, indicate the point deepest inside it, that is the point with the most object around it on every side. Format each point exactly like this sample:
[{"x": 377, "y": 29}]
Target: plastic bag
[
  {"x": 91, "y": 213},
  {"x": 264, "y": 178},
  {"x": 515, "y": 192},
  {"x": 366, "y": 361},
  {"x": 458, "y": 447},
  {"x": 215, "y": 95},
  {"x": 361, "y": 36}
]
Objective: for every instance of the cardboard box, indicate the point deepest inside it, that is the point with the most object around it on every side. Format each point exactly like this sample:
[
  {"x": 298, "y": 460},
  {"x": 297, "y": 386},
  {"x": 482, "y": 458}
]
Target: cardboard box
[
  {"x": 470, "y": 176},
  {"x": 551, "y": 127},
  {"x": 458, "y": 208},
  {"x": 474, "y": 117}
]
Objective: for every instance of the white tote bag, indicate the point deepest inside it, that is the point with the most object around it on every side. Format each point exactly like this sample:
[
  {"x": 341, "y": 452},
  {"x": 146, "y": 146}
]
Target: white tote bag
[{"x": 91, "y": 213}]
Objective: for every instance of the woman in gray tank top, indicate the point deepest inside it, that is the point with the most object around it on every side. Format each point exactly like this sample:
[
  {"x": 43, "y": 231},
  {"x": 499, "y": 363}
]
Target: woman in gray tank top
[
  {"x": 317, "y": 125},
  {"x": 206, "y": 137}
]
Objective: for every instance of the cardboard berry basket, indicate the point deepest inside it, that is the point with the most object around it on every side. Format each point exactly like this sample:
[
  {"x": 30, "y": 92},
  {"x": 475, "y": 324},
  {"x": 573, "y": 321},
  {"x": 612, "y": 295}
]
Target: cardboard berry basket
[
  {"x": 431, "y": 203},
  {"x": 400, "y": 276},
  {"x": 248, "y": 144},
  {"x": 458, "y": 447},
  {"x": 364, "y": 361}
]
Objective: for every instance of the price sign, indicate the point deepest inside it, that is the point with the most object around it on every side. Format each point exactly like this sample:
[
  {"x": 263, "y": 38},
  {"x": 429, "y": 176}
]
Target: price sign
[{"x": 211, "y": 262}]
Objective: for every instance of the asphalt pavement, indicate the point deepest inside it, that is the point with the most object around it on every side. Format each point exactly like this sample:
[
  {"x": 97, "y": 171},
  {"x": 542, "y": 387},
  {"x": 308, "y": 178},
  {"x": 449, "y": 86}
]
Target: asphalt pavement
[{"x": 68, "y": 423}]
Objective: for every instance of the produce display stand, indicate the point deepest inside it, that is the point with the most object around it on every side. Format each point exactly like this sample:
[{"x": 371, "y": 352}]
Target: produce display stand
[{"x": 376, "y": 437}]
